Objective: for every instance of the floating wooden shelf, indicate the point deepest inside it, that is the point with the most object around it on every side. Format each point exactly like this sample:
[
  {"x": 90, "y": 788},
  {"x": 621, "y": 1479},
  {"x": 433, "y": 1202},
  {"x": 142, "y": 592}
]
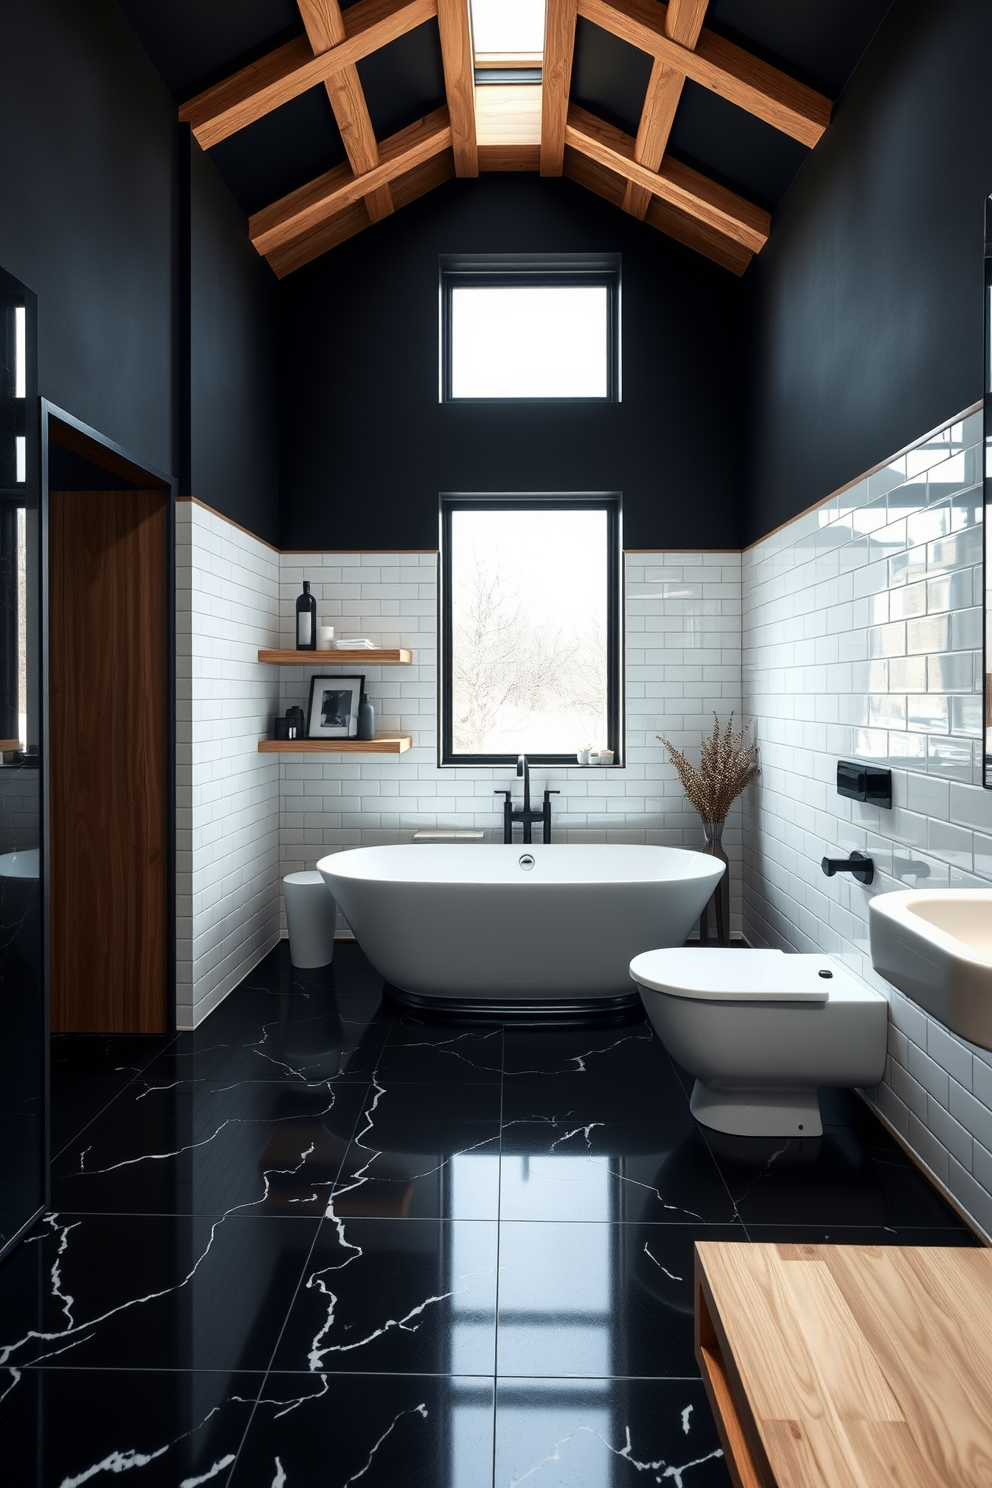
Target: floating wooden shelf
[
  {"x": 394, "y": 745},
  {"x": 399, "y": 657}
]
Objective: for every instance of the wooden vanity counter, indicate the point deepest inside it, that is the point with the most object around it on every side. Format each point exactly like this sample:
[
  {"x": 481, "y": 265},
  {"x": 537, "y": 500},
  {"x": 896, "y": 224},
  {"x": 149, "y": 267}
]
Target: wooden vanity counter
[{"x": 848, "y": 1366}]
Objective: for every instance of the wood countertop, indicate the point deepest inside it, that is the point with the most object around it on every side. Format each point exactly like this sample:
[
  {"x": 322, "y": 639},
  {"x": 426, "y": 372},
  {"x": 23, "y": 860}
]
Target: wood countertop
[{"x": 848, "y": 1366}]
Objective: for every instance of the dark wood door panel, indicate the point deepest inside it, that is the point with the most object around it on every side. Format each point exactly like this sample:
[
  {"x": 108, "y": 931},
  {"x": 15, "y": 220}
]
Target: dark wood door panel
[{"x": 108, "y": 765}]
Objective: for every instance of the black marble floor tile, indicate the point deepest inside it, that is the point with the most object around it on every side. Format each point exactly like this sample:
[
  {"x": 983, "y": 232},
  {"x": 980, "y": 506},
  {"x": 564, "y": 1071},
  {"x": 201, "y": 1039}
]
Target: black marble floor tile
[
  {"x": 828, "y": 1234},
  {"x": 199, "y": 1148},
  {"x": 629, "y": 1053},
  {"x": 157, "y": 1428},
  {"x": 146, "y": 1292},
  {"x": 598, "y": 1299},
  {"x": 404, "y": 1296},
  {"x": 622, "y": 1432},
  {"x": 660, "y": 1105},
  {"x": 397, "y": 1102},
  {"x": 381, "y": 1431},
  {"x": 422, "y": 1170},
  {"x": 88, "y": 1072},
  {"x": 554, "y": 1172},
  {"x": 833, "y": 1179},
  {"x": 430, "y": 1052}
]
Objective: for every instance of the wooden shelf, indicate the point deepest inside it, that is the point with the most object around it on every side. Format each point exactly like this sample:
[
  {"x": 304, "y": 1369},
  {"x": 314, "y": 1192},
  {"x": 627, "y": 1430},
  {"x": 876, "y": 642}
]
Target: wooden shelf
[
  {"x": 393, "y": 745},
  {"x": 400, "y": 657}
]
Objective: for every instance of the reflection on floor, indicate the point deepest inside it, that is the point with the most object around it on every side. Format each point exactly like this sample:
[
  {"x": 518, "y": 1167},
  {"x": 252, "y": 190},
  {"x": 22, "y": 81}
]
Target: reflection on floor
[{"x": 318, "y": 1243}]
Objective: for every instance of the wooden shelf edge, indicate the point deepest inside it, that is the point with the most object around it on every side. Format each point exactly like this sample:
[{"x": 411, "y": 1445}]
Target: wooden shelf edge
[
  {"x": 396, "y": 745},
  {"x": 397, "y": 657}
]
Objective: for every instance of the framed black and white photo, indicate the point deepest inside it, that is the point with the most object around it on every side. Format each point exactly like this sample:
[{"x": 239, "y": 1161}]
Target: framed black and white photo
[{"x": 333, "y": 710}]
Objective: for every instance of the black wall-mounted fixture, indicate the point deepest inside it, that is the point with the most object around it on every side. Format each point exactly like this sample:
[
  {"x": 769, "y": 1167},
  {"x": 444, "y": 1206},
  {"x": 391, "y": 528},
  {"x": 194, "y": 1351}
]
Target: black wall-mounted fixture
[
  {"x": 865, "y": 783},
  {"x": 859, "y": 867}
]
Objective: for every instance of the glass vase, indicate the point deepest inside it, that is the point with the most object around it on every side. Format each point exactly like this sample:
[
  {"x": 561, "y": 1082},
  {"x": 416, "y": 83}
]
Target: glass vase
[{"x": 720, "y": 900}]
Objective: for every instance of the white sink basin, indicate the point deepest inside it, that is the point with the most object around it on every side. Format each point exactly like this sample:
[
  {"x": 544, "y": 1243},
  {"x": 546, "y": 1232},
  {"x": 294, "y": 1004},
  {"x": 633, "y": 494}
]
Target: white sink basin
[{"x": 935, "y": 945}]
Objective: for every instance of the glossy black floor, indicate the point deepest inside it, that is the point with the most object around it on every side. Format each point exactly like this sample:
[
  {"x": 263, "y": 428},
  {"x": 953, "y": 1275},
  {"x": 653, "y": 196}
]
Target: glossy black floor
[{"x": 320, "y": 1243}]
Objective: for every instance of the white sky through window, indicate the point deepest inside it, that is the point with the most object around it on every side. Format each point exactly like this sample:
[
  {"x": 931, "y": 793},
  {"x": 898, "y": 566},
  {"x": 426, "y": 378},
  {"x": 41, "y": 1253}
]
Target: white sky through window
[
  {"x": 508, "y": 25},
  {"x": 529, "y": 341},
  {"x": 529, "y": 630}
]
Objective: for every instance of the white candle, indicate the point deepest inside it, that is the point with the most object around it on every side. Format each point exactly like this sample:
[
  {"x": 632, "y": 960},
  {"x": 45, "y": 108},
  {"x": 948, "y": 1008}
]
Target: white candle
[{"x": 325, "y": 637}]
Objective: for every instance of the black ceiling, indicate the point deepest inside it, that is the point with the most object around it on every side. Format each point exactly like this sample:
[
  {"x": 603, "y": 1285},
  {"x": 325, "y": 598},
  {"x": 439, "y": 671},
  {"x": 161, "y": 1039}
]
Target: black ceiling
[{"x": 193, "y": 43}]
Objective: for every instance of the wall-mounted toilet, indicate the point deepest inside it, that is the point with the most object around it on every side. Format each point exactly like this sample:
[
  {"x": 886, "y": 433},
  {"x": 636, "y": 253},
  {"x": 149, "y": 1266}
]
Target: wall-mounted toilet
[{"x": 761, "y": 1031}]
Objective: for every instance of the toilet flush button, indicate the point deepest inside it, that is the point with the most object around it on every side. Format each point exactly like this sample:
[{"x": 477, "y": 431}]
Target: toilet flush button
[{"x": 825, "y": 973}]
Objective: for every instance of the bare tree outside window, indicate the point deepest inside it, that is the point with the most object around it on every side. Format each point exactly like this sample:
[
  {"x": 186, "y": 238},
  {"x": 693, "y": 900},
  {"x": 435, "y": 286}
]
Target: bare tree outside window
[{"x": 529, "y": 630}]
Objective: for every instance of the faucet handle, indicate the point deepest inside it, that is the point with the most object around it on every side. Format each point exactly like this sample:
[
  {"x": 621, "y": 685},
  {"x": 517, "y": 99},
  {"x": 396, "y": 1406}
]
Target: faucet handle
[
  {"x": 506, "y": 793},
  {"x": 548, "y": 793}
]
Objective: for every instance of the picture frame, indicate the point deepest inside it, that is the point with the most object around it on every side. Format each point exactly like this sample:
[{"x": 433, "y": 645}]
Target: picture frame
[{"x": 332, "y": 712}]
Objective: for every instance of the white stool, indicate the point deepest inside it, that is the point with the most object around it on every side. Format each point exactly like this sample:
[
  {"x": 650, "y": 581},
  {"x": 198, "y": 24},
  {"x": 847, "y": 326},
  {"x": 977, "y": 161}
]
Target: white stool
[{"x": 310, "y": 916}]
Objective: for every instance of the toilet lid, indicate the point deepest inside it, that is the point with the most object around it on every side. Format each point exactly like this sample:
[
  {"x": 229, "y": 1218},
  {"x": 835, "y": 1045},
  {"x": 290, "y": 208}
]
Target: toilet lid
[{"x": 718, "y": 974}]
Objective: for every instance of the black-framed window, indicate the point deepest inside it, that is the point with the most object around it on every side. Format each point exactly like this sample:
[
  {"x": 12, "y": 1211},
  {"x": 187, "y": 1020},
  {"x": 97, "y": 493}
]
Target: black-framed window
[
  {"x": 530, "y": 627},
  {"x": 520, "y": 328}
]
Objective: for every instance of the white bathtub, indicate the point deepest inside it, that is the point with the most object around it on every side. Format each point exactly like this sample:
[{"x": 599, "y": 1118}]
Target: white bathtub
[{"x": 475, "y": 926}]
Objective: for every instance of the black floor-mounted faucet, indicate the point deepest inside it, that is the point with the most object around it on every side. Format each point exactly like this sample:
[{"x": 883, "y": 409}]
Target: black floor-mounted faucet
[{"x": 526, "y": 817}]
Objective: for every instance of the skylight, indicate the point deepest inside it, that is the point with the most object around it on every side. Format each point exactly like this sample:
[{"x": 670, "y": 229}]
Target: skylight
[{"x": 508, "y": 27}]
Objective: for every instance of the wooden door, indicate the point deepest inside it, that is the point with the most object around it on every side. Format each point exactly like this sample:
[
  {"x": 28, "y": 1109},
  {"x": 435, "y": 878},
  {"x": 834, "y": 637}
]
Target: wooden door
[{"x": 108, "y": 761}]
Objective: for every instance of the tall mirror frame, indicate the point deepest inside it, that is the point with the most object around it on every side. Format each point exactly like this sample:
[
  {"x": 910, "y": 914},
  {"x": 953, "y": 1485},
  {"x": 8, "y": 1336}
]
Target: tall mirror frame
[
  {"x": 23, "y": 999},
  {"x": 987, "y": 479}
]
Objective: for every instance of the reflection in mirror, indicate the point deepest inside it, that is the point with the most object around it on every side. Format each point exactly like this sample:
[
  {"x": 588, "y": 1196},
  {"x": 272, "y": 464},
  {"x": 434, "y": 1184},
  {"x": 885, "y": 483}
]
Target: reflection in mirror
[{"x": 23, "y": 1022}]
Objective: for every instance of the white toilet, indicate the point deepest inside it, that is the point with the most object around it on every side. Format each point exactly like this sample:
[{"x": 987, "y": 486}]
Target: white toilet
[{"x": 760, "y": 1031}]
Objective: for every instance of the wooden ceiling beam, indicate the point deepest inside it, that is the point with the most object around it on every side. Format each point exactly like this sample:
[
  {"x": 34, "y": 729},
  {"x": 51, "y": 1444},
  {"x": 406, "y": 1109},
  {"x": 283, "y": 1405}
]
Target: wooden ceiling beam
[
  {"x": 325, "y": 29},
  {"x": 293, "y": 69},
  {"x": 353, "y": 220},
  {"x": 559, "y": 45},
  {"x": 719, "y": 65},
  {"x": 331, "y": 193},
  {"x": 677, "y": 184},
  {"x": 683, "y": 23},
  {"x": 458, "y": 59}
]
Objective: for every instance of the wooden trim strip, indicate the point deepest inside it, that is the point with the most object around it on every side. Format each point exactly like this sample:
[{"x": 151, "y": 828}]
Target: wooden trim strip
[
  {"x": 337, "y": 189},
  {"x": 718, "y": 65},
  {"x": 292, "y": 69},
  {"x": 675, "y": 183},
  {"x": 866, "y": 474},
  {"x": 457, "y": 57},
  {"x": 559, "y": 45}
]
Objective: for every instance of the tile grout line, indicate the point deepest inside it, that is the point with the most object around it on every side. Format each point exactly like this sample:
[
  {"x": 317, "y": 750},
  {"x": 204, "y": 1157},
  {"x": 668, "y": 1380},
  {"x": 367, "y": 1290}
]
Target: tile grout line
[{"x": 296, "y": 1291}]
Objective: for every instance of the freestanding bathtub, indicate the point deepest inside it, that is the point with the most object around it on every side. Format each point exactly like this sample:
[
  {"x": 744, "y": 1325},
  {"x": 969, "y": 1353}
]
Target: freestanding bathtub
[{"x": 488, "y": 927}]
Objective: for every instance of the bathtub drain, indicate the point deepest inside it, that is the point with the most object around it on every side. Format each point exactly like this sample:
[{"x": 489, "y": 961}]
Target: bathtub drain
[{"x": 526, "y": 861}]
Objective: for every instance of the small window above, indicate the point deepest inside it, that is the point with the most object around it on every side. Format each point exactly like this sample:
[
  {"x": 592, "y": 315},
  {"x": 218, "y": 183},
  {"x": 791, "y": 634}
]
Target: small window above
[
  {"x": 525, "y": 329},
  {"x": 510, "y": 28}
]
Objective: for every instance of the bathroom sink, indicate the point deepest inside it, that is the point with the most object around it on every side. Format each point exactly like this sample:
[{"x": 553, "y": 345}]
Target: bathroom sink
[{"x": 935, "y": 945}]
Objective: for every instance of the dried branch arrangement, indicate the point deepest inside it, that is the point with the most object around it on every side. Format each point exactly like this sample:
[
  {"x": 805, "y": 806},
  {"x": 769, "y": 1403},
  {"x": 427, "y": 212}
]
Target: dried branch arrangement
[{"x": 728, "y": 762}]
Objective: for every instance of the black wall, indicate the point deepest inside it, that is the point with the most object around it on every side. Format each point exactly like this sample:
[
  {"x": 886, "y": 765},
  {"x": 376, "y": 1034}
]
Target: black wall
[
  {"x": 156, "y": 317},
  {"x": 234, "y": 456},
  {"x": 366, "y": 447},
  {"x": 864, "y": 312},
  {"x": 87, "y": 216}
]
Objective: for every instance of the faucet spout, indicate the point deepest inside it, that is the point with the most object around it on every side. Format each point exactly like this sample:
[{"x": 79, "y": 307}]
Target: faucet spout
[{"x": 523, "y": 768}]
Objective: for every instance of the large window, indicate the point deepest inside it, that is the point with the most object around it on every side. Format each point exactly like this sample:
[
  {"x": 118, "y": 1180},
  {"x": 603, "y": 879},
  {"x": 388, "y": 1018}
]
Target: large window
[
  {"x": 530, "y": 649},
  {"x": 530, "y": 327}
]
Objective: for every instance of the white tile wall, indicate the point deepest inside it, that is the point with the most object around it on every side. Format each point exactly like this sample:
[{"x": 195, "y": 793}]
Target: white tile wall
[
  {"x": 683, "y": 662},
  {"x": 862, "y": 640},
  {"x": 227, "y": 589}
]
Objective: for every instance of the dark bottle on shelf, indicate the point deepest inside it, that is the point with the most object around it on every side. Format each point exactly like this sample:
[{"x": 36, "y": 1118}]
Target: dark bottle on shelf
[
  {"x": 306, "y": 620},
  {"x": 366, "y": 718}
]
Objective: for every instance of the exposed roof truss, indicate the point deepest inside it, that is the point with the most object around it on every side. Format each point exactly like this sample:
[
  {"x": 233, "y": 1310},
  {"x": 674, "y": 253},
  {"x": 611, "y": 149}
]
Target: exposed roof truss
[{"x": 533, "y": 127}]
